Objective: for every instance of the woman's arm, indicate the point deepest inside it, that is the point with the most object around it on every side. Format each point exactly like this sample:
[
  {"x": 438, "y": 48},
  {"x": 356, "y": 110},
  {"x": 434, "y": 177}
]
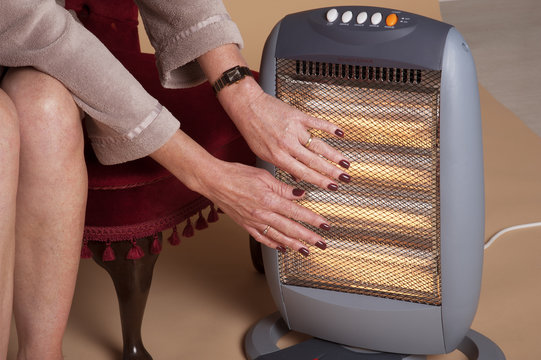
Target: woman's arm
[
  {"x": 275, "y": 131},
  {"x": 182, "y": 31},
  {"x": 250, "y": 196},
  {"x": 129, "y": 122}
]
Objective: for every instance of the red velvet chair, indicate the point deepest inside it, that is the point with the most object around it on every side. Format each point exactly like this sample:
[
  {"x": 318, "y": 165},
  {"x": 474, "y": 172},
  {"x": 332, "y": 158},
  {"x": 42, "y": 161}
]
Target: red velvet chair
[{"x": 130, "y": 204}]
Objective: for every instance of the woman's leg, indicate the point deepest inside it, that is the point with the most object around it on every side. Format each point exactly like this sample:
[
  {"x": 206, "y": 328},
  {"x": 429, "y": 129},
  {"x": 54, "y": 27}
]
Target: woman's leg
[
  {"x": 9, "y": 169},
  {"x": 51, "y": 202}
]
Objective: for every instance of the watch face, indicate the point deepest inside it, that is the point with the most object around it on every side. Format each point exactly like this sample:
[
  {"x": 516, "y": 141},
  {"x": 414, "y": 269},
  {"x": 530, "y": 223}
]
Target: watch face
[
  {"x": 231, "y": 76},
  {"x": 234, "y": 75}
]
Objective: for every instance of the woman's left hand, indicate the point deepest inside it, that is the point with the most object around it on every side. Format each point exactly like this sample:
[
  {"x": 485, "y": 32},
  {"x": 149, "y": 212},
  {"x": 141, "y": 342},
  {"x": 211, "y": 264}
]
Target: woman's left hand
[{"x": 278, "y": 133}]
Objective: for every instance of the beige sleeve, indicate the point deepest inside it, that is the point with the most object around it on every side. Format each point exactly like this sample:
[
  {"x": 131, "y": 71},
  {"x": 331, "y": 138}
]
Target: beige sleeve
[
  {"x": 128, "y": 122},
  {"x": 182, "y": 30}
]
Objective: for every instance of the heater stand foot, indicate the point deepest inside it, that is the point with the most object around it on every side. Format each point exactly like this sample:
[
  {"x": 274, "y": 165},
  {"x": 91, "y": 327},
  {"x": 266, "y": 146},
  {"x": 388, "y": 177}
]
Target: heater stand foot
[{"x": 260, "y": 344}]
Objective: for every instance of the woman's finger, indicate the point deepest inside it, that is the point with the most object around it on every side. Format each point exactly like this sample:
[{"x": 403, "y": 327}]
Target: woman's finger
[
  {"x": 320, "y": 164},
  {"x": 302, "y": 171},
  {"x": 320, "y": 147},
  {"x": 287, "y": 242},
  {"x": 320, "y": 124},
  {"x": 264, "y": 239},
  {"x": 280, "y": 214}
]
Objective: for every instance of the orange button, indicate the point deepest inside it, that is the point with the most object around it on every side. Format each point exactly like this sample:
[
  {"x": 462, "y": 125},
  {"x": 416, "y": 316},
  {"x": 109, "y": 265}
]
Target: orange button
[{"x": 391, "y": 20}]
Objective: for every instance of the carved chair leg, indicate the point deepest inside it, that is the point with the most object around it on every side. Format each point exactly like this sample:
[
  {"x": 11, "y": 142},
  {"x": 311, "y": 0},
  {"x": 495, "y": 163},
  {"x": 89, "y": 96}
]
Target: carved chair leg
[{"x": 132, "y": 279}]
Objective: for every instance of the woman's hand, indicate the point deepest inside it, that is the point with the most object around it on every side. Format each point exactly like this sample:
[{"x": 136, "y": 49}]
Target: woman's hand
[
  {"x": 264, "y": 207},
  {"x": 252, "y": 197},
  {"x": 278, "y": 134},
  {"x": 275, "y": 131}
]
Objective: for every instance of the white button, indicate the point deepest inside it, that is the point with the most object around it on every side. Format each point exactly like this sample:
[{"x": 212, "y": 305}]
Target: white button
[
  {"x": 376, "y": 18},
  {"x": 347, "y": 16},
  {"x": 362, "y": 17},
  {"x": 332, "y": 15}
]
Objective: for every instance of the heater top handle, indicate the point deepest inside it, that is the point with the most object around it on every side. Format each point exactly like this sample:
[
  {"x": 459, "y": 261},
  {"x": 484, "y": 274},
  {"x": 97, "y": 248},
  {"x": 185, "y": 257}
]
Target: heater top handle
[{"x": 363, "y": 35}]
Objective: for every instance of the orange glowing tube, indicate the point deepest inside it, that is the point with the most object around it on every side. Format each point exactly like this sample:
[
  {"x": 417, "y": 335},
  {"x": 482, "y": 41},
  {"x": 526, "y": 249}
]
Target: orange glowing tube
[{"x": 369, "y": 214}]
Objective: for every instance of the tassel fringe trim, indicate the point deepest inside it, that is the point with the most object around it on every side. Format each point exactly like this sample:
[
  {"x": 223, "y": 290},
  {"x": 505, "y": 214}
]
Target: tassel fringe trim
[
  {"x": 86, "y": 253},
  {"x": 156, "y": 246},
  {"x": 136, "y": 252},
  {"x": 108, "y": 253}
]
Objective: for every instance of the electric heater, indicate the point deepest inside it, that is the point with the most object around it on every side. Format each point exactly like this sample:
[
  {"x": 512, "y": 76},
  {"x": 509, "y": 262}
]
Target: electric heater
[{"x": 402, "y": 268}]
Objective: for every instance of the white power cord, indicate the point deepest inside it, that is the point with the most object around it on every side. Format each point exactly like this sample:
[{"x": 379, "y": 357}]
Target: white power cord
[{"x": 506, "y": 230}]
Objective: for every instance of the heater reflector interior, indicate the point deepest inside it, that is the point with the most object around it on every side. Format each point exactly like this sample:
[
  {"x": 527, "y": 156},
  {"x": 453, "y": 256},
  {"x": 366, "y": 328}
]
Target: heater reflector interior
[{"x": 385, "y": 236}]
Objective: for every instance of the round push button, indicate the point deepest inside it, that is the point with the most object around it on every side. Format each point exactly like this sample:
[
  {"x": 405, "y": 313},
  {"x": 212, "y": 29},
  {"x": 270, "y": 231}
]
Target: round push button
[
  {"x": 362, "y": 17},
  {"x": 347, "y": 16},
  {"x": 332, "y": 15},
  {"x": 391, "y": 20},
  {"x": 376, "y": 18}
]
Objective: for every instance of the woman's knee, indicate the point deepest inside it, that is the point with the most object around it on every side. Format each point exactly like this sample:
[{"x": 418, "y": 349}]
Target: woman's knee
[{"x": 48, "y": 115}]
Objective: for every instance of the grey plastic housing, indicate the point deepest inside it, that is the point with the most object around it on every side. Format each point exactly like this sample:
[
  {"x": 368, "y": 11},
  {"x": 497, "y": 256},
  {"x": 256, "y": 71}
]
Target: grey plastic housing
[
  {"x": 372, "y": 322},
  {"x": 308, "y": 36},
  {"x": 260, "y": 343}
]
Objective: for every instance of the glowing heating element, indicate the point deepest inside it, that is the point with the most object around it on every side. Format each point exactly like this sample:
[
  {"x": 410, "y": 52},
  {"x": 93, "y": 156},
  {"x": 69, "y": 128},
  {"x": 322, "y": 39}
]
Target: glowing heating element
[{"x": 385, "y": 237}]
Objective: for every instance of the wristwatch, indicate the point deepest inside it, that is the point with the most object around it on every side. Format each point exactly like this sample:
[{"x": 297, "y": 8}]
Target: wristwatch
[{"x": 231, "y": 76}]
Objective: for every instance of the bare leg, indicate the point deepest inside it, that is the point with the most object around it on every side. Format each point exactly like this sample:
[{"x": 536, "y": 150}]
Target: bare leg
[
  {"x": 51, "y": 202},
  {"x": 9, "y": 169}
]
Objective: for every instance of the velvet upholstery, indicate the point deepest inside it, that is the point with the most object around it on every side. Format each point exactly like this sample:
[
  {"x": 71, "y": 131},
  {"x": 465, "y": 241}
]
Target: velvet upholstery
[{"x": 140, "y": 198}]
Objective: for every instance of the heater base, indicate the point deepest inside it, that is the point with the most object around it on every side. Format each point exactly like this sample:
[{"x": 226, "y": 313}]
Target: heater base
[{"x": 260, "y": 344}]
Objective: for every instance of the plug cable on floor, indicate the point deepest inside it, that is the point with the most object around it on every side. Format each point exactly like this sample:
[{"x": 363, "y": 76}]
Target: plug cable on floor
[{"x": 508, "y": 229}]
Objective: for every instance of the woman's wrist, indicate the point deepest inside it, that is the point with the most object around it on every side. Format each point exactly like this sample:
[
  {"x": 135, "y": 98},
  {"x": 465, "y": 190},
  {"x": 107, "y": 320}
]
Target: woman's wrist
[
  {"x": 187, "y": 161},
  {"x": 238, "y": 97}
]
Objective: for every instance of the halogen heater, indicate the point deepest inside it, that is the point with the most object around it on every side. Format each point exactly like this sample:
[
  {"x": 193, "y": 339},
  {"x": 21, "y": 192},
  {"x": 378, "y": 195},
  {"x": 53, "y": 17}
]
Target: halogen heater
[{"x": 402, "y": 270}]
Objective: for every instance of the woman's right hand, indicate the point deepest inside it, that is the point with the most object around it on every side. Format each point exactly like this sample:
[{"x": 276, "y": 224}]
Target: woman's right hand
[
  {"x": 252, "y": 197},
  {"x": 255, "y": 199}
]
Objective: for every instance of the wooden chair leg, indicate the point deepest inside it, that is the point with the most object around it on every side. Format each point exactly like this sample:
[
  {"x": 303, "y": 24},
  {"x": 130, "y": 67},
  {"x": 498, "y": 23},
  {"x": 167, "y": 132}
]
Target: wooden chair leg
[
  {"x": 132, "y": 279},
  {"x": 256, "y": 255}
]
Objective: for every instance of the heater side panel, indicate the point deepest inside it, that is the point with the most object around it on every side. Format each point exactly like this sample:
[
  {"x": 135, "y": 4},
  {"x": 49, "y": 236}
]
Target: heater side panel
[{"x": 462, "y": 190}]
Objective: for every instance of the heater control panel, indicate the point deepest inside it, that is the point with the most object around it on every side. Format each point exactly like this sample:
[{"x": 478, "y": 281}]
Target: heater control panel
[
  {"x": 362, "y": 35},
  {"x": 368, "y": 18}
]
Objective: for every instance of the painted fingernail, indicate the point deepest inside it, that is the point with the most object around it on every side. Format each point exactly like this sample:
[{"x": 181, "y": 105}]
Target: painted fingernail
[
  {"x": 325, "y": 227},
  {"x": 339, "y": 133},
  {"x": 304, "y": 251},
  {"x": 345, "y": 178},
  {"x": 332, "y": 187},
  {"x": 321, "y": 245},
  {"x": 281, "y": 249},
  {"x": 344, "y": 164},
  {"x": 298, "y": 192}
]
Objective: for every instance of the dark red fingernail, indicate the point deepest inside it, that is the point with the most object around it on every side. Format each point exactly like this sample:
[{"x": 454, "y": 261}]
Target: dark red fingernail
[
  {"x": 332, "y": 187},
  {"x": 281, "y": 249},
  {"x": 339, "y": 132},
  {"x": 304, "y": 251},
  {"x": 325, "y": 227},
  {"x": 345, "y": 178},
  {"x": 298, "y": 192},
  {"x": 344, "y": 164},
  {"x": 321, "y": 245}
]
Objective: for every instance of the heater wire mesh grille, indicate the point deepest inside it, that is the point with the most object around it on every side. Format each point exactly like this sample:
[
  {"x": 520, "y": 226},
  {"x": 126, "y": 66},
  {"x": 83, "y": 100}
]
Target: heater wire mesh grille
[{"x": 385, "y": 232}]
